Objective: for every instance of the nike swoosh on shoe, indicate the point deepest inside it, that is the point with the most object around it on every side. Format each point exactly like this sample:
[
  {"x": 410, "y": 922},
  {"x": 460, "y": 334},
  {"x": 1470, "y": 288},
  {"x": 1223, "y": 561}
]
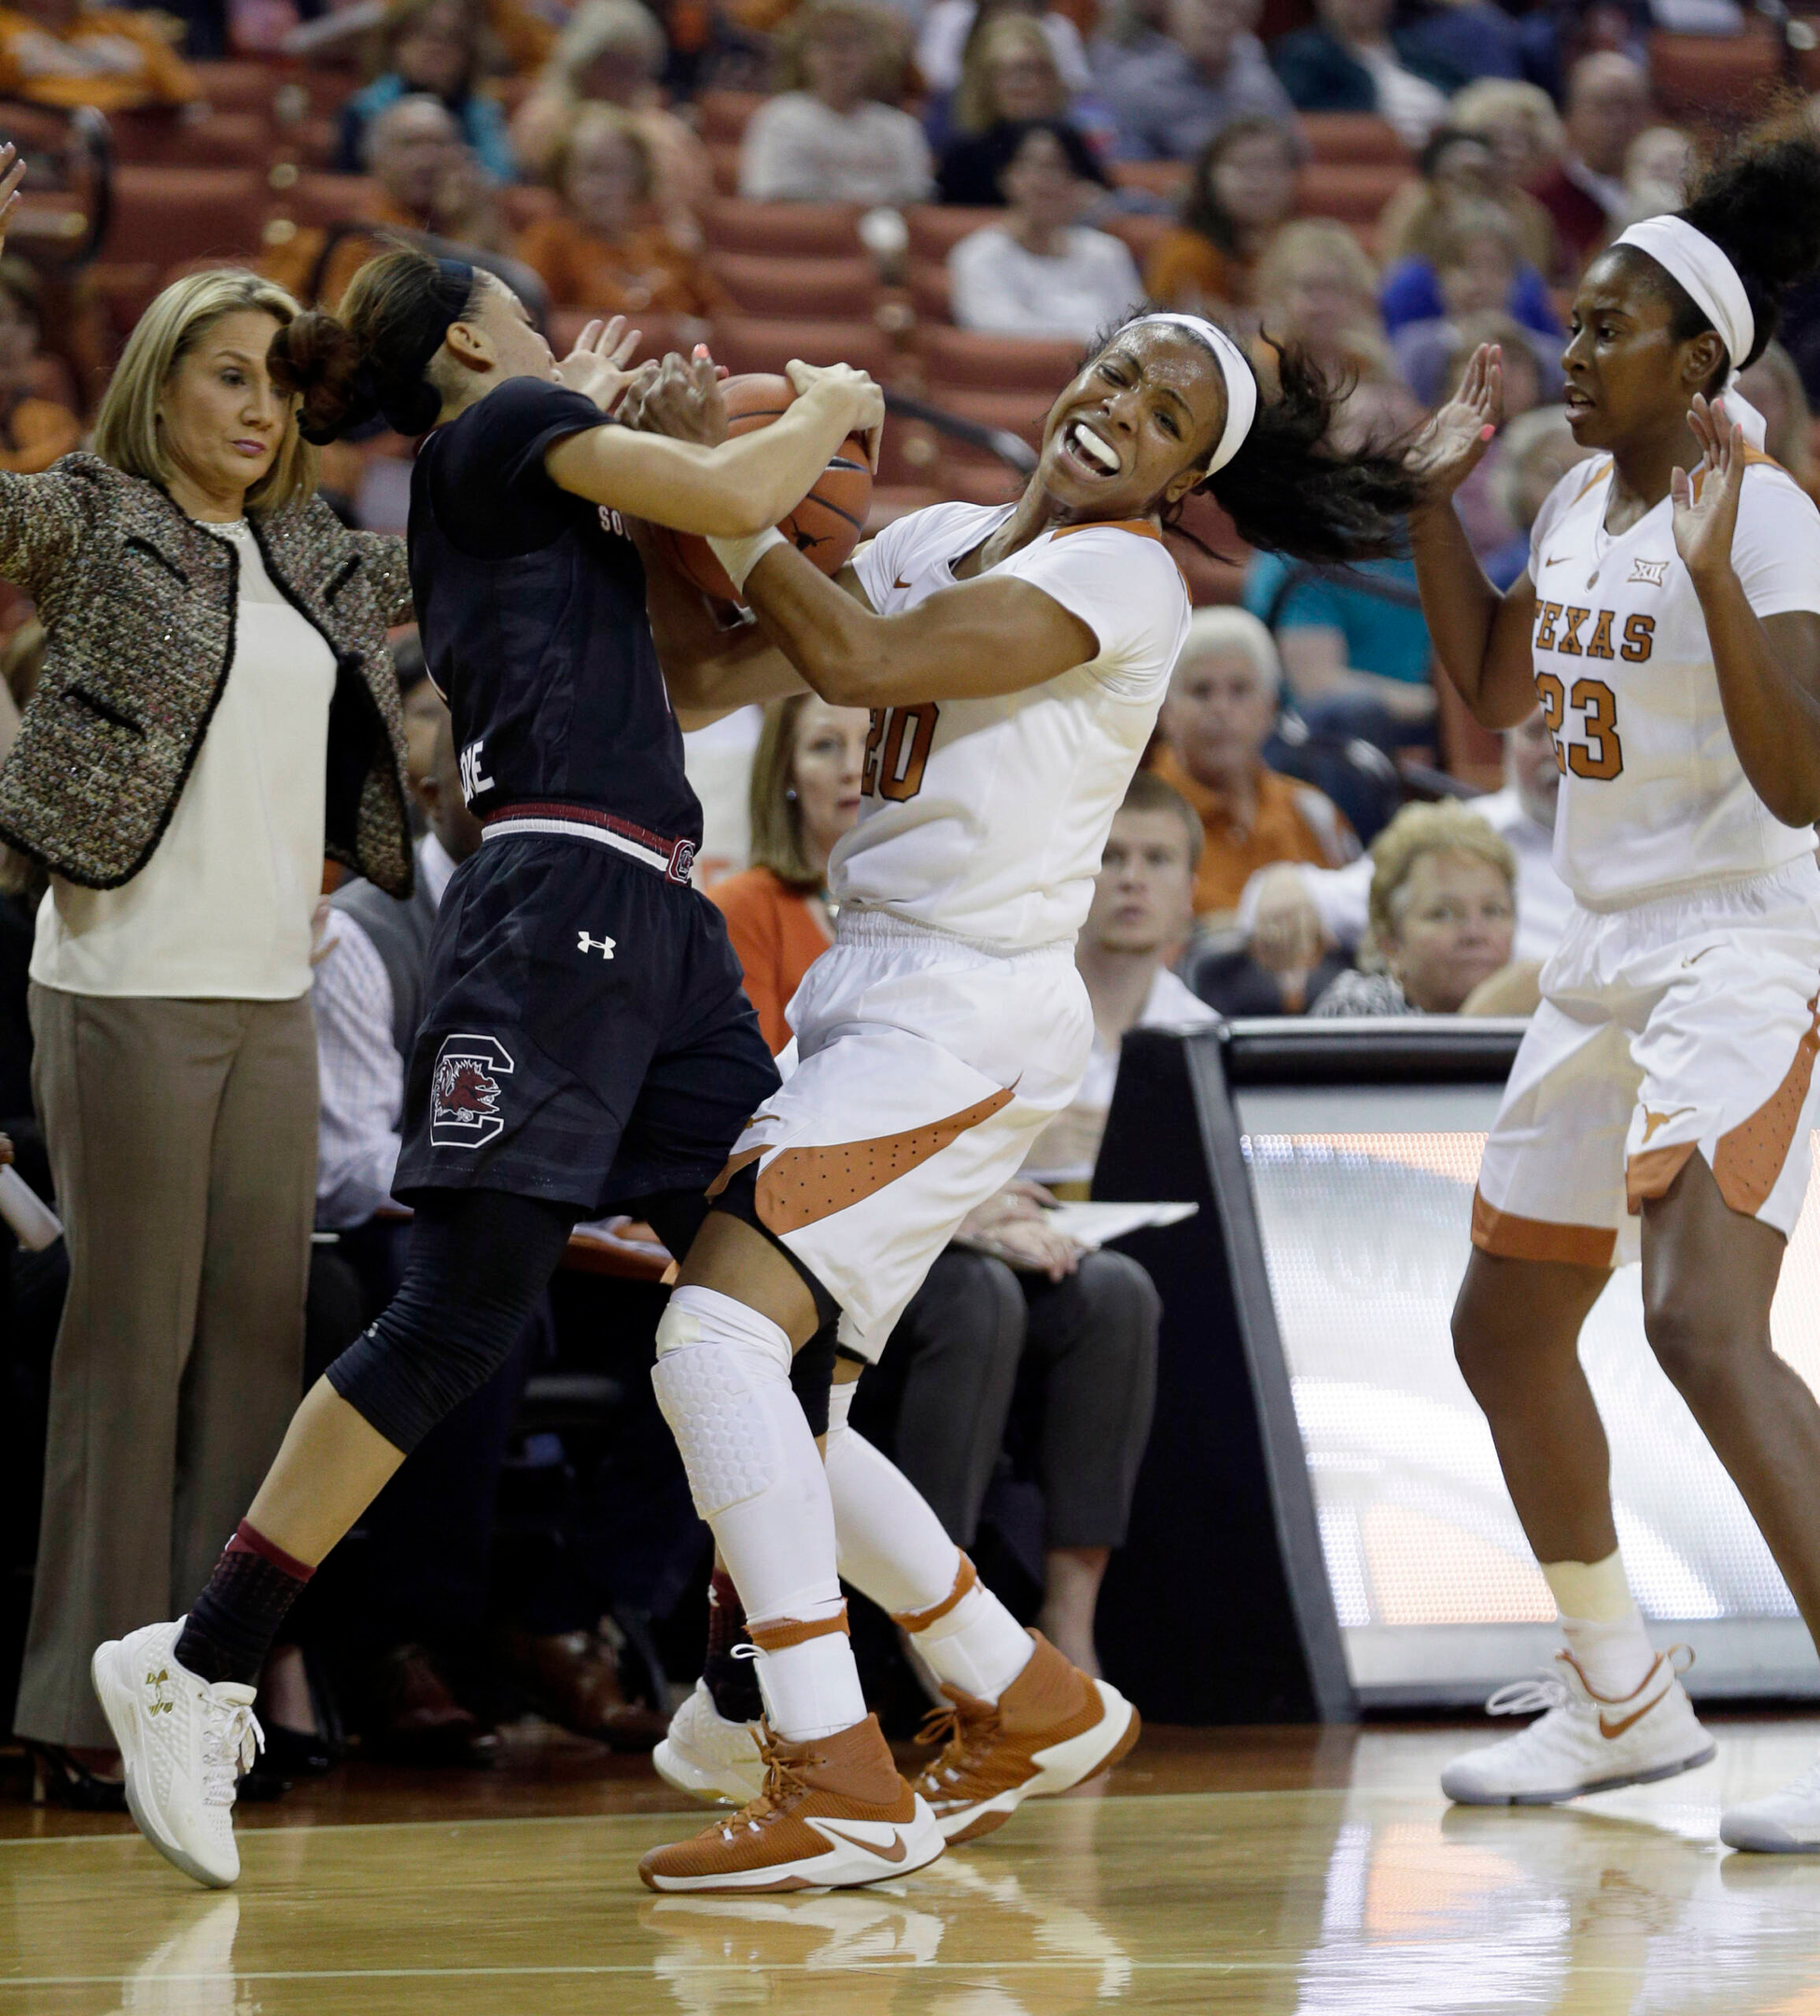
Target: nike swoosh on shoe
[{"x": 898, "y": 1852}]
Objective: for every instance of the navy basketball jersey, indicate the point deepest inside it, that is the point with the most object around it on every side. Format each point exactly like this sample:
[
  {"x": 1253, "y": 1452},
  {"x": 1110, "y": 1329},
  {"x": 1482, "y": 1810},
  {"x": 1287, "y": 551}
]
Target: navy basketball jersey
[{"x": 531, "y": 604}]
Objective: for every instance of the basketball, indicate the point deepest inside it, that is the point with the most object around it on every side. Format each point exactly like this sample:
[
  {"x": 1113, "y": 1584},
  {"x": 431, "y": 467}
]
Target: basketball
[{"x": 825, "y": 527}]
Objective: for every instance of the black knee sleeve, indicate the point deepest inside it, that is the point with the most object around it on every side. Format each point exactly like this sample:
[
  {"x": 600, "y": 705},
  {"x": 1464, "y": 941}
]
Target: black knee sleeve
[
  {"x": 812, "y": 1373},
  {"x": 478, "y": 1260}
]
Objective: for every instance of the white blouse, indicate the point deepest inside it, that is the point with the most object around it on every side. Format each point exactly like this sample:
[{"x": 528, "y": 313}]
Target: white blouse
[{"x": 222, "y": 909}]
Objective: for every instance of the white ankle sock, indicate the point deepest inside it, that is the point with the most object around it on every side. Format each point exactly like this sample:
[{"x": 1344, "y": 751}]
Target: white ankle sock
[
  {"x": 979, "y": 1647},
  {"x": 1600, "y": 1622},
  {"x": 893, "y": 1549},
  {"x": 722, "y": 1382}
]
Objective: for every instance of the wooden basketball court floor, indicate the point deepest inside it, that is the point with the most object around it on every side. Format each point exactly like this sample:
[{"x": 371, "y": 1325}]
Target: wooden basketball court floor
[{"x": 1269, "y": 1870}]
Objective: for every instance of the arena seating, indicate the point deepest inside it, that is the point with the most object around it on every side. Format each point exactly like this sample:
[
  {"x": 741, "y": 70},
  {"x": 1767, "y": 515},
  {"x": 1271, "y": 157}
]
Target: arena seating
[
  {"x": 764, "y": 283},
  {"x": 801, "y": 230}
]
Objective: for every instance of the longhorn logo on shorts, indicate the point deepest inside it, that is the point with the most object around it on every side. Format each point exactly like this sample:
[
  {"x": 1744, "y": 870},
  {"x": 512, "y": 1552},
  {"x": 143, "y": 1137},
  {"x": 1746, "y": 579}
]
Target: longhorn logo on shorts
[{"x": 466, "y": 1098}]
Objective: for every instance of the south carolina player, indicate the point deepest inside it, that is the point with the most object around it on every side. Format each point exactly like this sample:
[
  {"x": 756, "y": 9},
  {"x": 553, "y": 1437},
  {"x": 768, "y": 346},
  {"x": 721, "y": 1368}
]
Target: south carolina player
[
  {"x": 586, "y": 1044},
  {"x": 1664, "y": 1093},
  {"x": 1013, "y": 659}
]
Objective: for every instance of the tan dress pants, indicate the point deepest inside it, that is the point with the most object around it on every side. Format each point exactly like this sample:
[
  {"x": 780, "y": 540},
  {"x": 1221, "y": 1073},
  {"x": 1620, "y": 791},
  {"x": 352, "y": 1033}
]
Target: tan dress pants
[{"x": 183, "y": 1140}]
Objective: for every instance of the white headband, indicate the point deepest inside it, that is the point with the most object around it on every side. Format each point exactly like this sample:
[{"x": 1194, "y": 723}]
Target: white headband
[
  {"x": 1710, "y": 279},
  {"x": 1240, "y": 383}
]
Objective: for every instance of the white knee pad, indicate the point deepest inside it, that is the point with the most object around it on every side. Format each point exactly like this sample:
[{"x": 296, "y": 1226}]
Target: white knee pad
[{"x": 713, "y": 1356}]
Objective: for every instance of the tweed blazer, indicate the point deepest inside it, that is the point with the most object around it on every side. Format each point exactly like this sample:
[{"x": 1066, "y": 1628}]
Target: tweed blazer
[{"x": 139, "y": 604}]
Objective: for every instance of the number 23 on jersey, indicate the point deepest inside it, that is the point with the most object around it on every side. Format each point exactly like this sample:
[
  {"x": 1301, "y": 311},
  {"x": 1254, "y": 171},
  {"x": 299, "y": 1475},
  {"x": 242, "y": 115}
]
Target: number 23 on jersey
[
  {"x": 1594, "y": 750},
  {"x": 897, "y": 749}
]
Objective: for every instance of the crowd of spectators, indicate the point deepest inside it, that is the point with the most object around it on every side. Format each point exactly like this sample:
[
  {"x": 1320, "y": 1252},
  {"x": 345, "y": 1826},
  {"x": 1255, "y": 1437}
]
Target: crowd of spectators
[{"x": 1266, "y": 862}]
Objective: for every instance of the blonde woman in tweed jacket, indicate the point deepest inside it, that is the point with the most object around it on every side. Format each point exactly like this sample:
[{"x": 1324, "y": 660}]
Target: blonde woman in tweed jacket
[{"x": 217, "y": 710}]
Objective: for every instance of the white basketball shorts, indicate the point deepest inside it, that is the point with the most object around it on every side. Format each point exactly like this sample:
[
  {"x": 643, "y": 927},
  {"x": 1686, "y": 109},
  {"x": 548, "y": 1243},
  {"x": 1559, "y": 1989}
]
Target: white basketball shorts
[
  {"x": 927, "y": 1066},
  {"x": 1682, "y": 1025}
]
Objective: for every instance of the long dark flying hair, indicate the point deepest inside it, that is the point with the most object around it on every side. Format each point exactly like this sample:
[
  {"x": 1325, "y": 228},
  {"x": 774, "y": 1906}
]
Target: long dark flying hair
[
  {"x": 1757, "y": 199},
  {"x": 1288, "y": 490}
]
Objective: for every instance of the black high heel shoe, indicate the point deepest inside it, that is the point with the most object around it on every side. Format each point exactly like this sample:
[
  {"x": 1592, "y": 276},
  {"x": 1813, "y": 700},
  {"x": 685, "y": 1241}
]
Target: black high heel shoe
[{"x": 60, "y": 1779}]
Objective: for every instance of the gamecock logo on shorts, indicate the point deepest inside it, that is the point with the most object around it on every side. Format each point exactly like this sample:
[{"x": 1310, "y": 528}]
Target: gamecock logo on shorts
[{"x": 467, "y": 1101}]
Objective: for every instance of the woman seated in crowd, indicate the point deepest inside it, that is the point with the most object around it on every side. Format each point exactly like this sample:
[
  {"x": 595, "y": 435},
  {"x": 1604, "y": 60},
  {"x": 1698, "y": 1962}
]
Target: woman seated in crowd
[
  {"x": 951, "y": 27},
  {"x": 33, "y": 430},
  {"x": 834, "y": 134},
  {"x": 611, "y": 52},
  {"x": 607, "y": 251},
  {"x": 1443, "y": 914},
  {"x": 1457, "y": 167},
  {"x": 1352, "y": 61},
  {"x": 1241, "y": 192},
  {"x": 438, "y": 49},
  {"x": 1469, "y": 257},
  {"x": 1476, "y": 270},
  {"x": 1316, "y": 287},
  {"x": 1010, "y": 81},
  {"x": 1040, "y": 273}
]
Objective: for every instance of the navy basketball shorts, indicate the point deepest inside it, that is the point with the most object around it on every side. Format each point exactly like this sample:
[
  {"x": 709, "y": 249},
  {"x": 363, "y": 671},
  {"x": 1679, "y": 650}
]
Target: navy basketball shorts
[{"x": 585, "y": 1035}]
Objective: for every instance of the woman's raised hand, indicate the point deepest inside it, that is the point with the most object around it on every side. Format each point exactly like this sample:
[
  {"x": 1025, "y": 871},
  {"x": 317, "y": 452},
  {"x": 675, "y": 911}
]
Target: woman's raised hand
[
  {"x": 1449, "y": 447},
  {"x": 596, "y": 365},
  {"x": 1705, "y": 500},
  {"x": 12, "y": 173},
  {"x": 867, "y": 398}
]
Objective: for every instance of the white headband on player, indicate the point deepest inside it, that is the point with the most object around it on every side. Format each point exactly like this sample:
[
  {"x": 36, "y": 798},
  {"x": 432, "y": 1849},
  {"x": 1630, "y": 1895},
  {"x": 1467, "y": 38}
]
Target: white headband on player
[
  {"x": 1710, "y": 279},
  {"x": 1240, "y": 383}
]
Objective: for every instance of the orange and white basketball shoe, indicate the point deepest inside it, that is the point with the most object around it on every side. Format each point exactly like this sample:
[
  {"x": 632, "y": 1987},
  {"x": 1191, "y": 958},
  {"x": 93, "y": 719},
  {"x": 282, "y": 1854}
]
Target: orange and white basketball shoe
[
  {"x": 1054, "y": 1726},
  {"x": 834, "y": 1813}
]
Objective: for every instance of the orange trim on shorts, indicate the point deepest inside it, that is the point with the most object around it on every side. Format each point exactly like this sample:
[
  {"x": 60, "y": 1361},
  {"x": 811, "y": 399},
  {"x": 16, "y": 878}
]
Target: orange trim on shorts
[
  {"x": 735, "y": 1164},
  {"x": 965, "y": 1577},
  {"x": 1650, "y": 1171},
  {"x": 1511, "y": 1236},
  {"x": 803, "y": 1184},
  {"x": 788, "y": 1631},
  {"x": 1750, "y": 1157}
]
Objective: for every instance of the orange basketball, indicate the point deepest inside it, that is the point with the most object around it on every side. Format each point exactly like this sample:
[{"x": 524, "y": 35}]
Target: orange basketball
[{"x": 826, "y": 525}]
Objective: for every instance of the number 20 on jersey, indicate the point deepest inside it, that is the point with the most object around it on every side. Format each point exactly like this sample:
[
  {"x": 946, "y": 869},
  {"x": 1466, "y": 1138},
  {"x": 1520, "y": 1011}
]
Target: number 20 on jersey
[{"x": 897, "y": 751}]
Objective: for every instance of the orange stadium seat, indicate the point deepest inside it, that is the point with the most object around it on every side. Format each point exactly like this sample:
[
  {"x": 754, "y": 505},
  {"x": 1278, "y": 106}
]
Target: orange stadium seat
[
  {"x": 928, "y": 291},
  {"x": 163, "y": 216},
  {"x": 725, "y": 114},
  {"x": 974, "y": 359},
  {"x": 237, "y": 86},
  {"x": 322, "y": 199},
  {"x": 828, "y": 289},
  {"x": 936, "y": 229},
  {"x": 1713, "y": 77},
  {"x": 216, "y": 140},
  {"x": 724, "y": 166},
  {"x": 1020, "y": 413},
  {"x": 1350, "y": 192},
  {"x": 658, "y": 333},
  {"x": 1352, "y": 136},
  {"x": 803, "y": 230},
  {"x": 753, "y": 343}
]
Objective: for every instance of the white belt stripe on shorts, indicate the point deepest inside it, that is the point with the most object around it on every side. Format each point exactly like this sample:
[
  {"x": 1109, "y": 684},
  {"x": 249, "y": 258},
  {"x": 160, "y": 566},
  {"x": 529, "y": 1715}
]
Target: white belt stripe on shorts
[{"x": 671, "y": 858}]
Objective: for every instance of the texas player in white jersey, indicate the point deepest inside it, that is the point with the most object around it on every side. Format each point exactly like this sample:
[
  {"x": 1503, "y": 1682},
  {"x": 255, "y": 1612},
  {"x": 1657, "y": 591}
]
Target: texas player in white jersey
[
  {"x": 1013, "y": 659},
  {"x": 1662, "y": 1100}
]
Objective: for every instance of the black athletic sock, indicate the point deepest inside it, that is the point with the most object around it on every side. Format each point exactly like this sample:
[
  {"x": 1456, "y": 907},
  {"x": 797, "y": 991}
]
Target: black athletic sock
[
  {"x": 231, "y": 1624},
  {"x": 733, "y": 1682}
]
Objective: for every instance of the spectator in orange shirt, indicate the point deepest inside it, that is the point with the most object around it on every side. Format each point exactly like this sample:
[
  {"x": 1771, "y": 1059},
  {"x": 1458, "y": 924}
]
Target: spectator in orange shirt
[
  {"x": 1240, "y": 193},
  {"x": 606, "y": 252},
  {"x": 59, "y": 52},
  {"x": 33, "y": 432},
  {"x": 805, "y": 794},
  {"x": 1221, "y": 708}
]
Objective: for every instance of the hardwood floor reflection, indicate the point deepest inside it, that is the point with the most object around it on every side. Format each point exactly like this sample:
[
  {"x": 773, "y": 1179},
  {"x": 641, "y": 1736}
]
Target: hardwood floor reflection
[{"x": 1276, "y": 1873}]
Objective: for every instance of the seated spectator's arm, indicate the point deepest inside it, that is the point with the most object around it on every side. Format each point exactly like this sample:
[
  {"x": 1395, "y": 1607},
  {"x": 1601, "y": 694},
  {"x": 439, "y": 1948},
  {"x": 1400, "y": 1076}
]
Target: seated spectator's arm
[
  {"x": 1481, "y": 637},
  {"x": 362, "y": 1076},
  {"x": 1314, "y": 662}
]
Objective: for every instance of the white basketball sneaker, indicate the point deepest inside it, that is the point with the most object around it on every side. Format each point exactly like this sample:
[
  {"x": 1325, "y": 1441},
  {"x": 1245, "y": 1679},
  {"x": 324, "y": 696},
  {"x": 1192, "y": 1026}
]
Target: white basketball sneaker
[
  {"x": 184, "y": 1741},
  {"x": 708, "y": 1758},
  {"x": 1583, "y": 1743},
  {"x": 1784, "y": 1822}
]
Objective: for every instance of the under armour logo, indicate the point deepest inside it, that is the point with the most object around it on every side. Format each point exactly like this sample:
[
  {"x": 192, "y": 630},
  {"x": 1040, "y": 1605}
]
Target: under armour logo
[
  {"x": 583, "y": 944},
  {"x": 1651, "y": 573},
  {"x": 163, "y": 1701}
]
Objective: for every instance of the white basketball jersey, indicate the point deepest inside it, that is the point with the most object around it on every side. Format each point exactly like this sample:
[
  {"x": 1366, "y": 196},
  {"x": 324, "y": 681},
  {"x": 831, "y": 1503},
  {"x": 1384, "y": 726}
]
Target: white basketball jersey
[
  {"x": 1653, "y": 797},
  {"x": 987, "y": 817}
]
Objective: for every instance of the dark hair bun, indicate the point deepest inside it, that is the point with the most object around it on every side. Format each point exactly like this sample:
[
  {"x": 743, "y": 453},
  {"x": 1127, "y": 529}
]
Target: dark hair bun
[
  {"x": 318, "y": 361},
  {"x": 1759, "y": 199}
]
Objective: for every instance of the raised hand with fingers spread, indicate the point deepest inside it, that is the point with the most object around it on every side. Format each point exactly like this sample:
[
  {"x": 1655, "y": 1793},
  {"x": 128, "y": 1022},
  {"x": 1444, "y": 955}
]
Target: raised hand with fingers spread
[
  {"x": 597, "y": 364},
  {"x": 1451, "y": 446},
  {"x": 1706, "y": 496}
]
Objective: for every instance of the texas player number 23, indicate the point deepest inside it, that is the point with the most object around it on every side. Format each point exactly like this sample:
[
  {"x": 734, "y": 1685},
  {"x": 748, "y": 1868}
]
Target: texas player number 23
[{"x": 1597, "y": 753}]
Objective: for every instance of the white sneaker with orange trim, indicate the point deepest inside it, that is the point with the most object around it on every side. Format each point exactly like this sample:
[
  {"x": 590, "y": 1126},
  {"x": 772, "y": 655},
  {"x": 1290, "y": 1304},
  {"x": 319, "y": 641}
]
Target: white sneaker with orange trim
[
  {"x": 1582, "y": 1741},
  {"x": 834, "y": 1813},
  {"x": 1053, "y": 1727}
]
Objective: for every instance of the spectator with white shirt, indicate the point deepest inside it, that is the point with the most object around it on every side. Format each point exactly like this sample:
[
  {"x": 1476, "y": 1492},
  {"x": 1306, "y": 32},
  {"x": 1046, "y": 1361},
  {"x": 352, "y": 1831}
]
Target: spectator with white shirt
[
  {"x": 1168, "y": 101},
  {"x": 1040, "y": 273},
  {"x": 1291, "y": 911},
  {"x": 829, "y": 137},
  {"x": 1352, "y": 61}
]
